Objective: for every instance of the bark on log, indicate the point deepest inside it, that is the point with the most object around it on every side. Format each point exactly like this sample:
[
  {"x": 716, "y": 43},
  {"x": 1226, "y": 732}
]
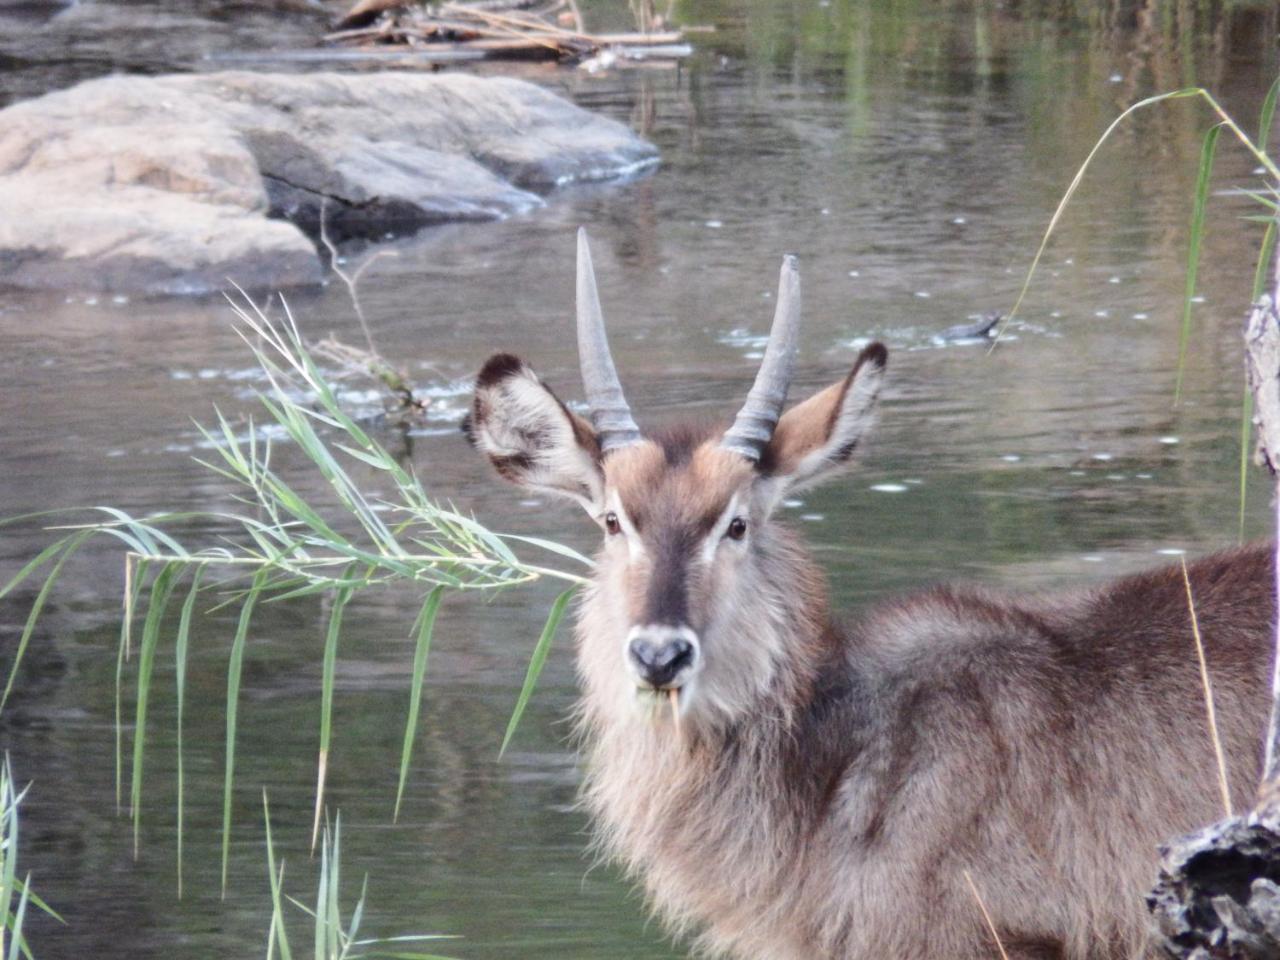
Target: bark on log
[
  {"x": 1262, "y": 361},
  {"x": 1218, "y": 894}
]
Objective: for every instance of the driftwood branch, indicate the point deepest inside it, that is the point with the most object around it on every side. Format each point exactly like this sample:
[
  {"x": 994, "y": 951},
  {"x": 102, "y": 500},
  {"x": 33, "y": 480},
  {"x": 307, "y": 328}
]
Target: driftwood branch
[
  {"x": 500, "y": 29},
  {"x": 1262, "y": 364},
  {"x": 1218, "y": 895}
]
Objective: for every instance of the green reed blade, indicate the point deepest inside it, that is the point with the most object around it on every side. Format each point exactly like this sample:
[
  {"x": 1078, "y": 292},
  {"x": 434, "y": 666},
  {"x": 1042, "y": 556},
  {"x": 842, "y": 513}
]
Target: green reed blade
[
  {"x": 424, "y": 626},
  {"x": 1203, "y": 176},
  {"x": 536, "y": 663},
  {"x": 34, "y": 564},
  {"x": 1268, "y": 114},
  {"x": 340, "y": 599},
  {"x": 17, "y": 942},
  {"x": 138, "y": 538},
  {"x": 278, "y": 932},
  {"x": 38, "y": 902},
  {"x": 161, "y": 591},
  {"x": 333, "y": 918},
  {"x": 1070, "y": 192},
  {"x": 322, "y": 900},
  {"x": 8, "y": 842},
  {"x": 134, "y": 575},
  {"x": 72, "y": 544},
  {"x": 1246, "y": 434},
  {"x": 1272, "y": 205},
  {"x": 1262, "y": 270},
  {"x": 180, "y": 680},
  {"x": 357, "y": 914},
  {"x": 552, "y": 547},
  {"x": 234, "y": 667}
]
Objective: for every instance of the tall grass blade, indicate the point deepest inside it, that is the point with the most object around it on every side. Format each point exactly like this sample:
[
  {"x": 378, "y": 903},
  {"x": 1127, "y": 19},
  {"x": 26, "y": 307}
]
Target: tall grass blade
[
  {"x": 322, "y": 901},
  {"x": 161, "y": 591},
  {"x": 426, "y": 623},
  {"x": 234, "y": 668},
  {"x": 180, "y": 681},
  {"x": 1211, "y": 714},
  {"x": 1071, "y": 192},
  {"x": 1254, "y": 149},
  {"x": 340, "y": 599},
  {"x": 536, "y": 663},
  {"x": 278, "y": 933},
  {"x": 8, "y": 850},
  {"x": 986, "y": 916},
  {"x": 35, "y": 563},
  {"x": 1246, "y": 434},
  {"x": 72, "y": 544},
  {"x": 1268, "y": 114},
  {"x": 11, "y": 922},
  {"x": 1261, "y": 270},
  {"x": 1203, "y": 177},
  {"x": 333, "y": 918},
  {"x": 17, "y": 944},
  {"x": 134, "y": 576}
]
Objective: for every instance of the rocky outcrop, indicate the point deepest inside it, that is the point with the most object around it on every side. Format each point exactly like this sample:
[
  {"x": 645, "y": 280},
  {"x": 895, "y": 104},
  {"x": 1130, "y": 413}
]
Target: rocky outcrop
[{"x": 178, "y": 183}]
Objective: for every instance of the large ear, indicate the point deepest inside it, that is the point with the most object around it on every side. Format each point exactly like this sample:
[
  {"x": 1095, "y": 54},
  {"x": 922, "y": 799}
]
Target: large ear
[
  {"x": 530, "y": 437},
  {"x": 816, "y": 438}
]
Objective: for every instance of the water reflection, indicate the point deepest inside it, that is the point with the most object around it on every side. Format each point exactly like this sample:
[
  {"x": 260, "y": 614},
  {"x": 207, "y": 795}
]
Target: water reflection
[{"x": 902, "y": 149}]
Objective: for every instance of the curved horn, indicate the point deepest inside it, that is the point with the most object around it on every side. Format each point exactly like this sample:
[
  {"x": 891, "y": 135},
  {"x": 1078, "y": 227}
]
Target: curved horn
[
  {"x": 753, "y": 427},
  {"x": 606, "y": 405}
]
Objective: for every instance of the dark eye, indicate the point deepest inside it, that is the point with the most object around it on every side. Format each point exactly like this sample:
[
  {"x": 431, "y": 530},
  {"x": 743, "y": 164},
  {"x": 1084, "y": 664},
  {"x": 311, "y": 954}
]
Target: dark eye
[
  {"x": 737, "y": 529},
  {"x": 611, "y": 524}
]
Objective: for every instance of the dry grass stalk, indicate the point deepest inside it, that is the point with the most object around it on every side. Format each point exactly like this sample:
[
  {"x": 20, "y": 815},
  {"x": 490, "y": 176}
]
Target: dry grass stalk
[
  {"x": 1223, "y": 784},
  {"x": 986, "y": 916}
]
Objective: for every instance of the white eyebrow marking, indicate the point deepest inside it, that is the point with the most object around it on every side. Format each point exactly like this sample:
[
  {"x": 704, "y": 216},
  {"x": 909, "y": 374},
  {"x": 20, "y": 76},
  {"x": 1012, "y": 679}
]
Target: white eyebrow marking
[
  {"x": 635, "y": 546},
  {"x": 717, "y": 531}
]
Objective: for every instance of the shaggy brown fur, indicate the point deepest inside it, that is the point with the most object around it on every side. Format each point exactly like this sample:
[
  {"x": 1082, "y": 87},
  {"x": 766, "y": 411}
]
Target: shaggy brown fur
[{"x": 828, "y": 787}]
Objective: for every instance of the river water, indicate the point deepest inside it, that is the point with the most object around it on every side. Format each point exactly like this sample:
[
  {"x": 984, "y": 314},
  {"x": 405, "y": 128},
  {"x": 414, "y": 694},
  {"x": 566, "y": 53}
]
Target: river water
[{"x": 912, "y": 154}]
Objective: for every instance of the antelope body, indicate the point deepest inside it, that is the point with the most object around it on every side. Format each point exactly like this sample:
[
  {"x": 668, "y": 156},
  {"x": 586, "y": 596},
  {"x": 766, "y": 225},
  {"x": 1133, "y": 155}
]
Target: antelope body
[{"x": 788, "y": 788}]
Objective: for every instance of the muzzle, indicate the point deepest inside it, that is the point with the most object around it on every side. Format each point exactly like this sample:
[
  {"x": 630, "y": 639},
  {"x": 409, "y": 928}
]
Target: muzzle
[{"x": 662, "y": 657}]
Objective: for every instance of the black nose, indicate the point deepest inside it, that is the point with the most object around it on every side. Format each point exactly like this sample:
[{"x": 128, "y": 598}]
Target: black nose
[{"x": 661, "y": 661}]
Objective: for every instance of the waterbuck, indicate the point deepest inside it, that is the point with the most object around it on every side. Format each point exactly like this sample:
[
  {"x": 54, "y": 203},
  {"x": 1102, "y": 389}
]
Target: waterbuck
[{"x": 788, "y": 787}]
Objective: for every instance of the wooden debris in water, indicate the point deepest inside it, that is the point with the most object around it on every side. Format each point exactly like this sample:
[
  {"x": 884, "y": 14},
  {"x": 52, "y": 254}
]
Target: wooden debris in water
[
  {"x": 498, "y": 29},
  {"x": 404, "y": 405}
]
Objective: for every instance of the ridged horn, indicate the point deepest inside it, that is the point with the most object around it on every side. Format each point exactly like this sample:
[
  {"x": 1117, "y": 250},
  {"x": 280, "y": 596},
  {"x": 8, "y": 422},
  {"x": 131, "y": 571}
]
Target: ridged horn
[
  {"x": 607, "y": 407},
  {"x": 753, "y": 427}
]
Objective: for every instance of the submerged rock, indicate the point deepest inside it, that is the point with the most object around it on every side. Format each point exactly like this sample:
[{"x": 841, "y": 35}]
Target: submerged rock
[{"x": 176, "y": 184}]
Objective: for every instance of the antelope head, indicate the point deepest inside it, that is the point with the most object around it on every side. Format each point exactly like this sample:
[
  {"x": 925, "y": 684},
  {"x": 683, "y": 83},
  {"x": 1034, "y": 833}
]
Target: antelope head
[{"x": 698, "y": 597}]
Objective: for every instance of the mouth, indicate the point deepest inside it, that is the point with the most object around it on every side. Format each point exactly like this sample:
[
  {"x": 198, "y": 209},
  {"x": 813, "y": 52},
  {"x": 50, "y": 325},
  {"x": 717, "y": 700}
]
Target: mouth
[{"x": 656, "y": 698}]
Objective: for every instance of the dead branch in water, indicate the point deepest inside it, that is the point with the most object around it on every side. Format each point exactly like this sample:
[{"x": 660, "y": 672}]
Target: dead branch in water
[{"x": 406, "y": 404}]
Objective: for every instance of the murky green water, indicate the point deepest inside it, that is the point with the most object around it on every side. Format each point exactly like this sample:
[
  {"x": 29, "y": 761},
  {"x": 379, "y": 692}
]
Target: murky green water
[{"x": 911, "y": 153}]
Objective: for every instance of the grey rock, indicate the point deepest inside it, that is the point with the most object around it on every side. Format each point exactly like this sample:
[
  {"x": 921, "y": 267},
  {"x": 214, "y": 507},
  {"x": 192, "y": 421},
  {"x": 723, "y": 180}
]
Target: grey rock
[
  {"x": 62, "y": 42},
  {"x": 179, "y": 183}
]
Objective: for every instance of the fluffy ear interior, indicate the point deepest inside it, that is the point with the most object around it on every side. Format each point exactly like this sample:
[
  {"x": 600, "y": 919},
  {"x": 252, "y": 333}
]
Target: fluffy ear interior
[
  {"x": 530, "y": 437},
  {"x": 817, "y": 437}
]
